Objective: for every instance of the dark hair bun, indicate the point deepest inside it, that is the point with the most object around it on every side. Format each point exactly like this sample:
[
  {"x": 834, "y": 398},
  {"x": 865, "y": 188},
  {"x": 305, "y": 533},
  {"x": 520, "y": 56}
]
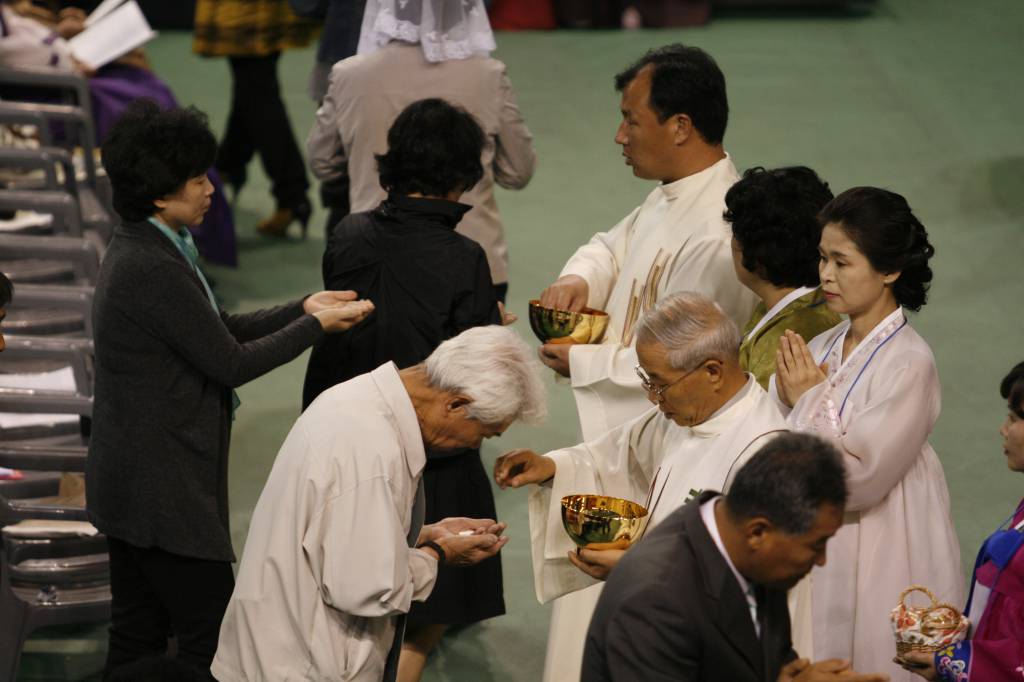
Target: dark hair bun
[
  {"x": 888, "y": 233},
  {"x": 774, "y": 217}
]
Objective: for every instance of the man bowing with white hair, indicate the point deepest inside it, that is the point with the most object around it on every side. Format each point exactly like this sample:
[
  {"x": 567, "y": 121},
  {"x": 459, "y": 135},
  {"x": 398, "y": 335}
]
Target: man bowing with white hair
[
  {"x": 709, "y": 418},
  {"x": 337, "y": 552}
]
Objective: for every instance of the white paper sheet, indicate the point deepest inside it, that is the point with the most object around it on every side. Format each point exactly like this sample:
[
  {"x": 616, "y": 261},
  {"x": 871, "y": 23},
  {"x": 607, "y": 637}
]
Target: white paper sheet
[
  {"x": 25, "y": 219},
  {"x": 120, "y": 31},
  {"x": 102, "y": 10},
  {"x": 39, "y": 528}
]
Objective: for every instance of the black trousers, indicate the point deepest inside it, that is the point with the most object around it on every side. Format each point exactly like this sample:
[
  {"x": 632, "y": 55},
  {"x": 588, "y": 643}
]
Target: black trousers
[
  {"x": 157, "y": 594},
  {"x": 258, "y": 123}
]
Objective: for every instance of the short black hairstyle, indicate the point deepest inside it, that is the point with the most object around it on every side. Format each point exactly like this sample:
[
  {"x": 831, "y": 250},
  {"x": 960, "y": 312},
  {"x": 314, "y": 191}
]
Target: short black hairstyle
[
  {"x": 787, "y": 481},
  {"x": 888, "y": 233},
  {"x": 6, "y": 290},
  {"x": 1012, "y": 389},
  {"x": 151, "y": 153},
  {"x": 685, "y": 80},
  {"x": 774, "y": 217},
  {"x": 433, "y": 148}
]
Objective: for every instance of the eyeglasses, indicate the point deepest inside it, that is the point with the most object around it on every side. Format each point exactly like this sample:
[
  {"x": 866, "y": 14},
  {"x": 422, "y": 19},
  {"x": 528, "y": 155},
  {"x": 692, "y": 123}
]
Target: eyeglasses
[{"x": 659, "y": 391}]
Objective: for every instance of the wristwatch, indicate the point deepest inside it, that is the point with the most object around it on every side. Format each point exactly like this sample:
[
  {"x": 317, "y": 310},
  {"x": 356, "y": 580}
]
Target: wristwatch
[{"x": 436, "y": 547}]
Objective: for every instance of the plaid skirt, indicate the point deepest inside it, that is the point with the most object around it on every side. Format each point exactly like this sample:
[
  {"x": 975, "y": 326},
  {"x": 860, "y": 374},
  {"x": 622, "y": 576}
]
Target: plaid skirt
[{"x": 249, "y": 28}]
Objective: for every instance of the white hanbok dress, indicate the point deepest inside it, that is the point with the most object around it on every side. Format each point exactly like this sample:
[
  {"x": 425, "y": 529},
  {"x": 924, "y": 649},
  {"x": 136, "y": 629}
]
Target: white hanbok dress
[
  {"x": 649, "y": 457},
  {"x": 878, "y": 407}
]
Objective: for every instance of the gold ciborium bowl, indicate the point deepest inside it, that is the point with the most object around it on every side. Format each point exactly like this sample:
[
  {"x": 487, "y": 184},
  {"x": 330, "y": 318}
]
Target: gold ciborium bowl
[
  {"x": 562, "y": 326},
  {"x": 600, "y": 522}
]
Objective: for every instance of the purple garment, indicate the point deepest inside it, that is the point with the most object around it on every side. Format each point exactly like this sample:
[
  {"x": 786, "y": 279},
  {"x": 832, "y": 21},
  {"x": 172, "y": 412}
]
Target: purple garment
[{"x": 113, "y": 88}]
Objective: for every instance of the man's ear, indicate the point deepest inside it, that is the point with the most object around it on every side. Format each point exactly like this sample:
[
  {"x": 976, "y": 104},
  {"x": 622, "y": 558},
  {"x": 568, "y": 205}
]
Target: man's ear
[
  {"x": 756, "y": 532},
  {"x": 715, "y": 370},
  {"x": 683, "y": 128}
]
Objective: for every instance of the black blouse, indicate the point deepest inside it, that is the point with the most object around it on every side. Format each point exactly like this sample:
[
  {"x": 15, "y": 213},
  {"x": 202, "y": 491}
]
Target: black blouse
[{"x": 427, "y": 282}]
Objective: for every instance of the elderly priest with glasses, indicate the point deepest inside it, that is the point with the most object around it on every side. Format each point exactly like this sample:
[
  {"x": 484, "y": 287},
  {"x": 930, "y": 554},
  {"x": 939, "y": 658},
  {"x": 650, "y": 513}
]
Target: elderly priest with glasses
[{"x": 709, "y": 417}]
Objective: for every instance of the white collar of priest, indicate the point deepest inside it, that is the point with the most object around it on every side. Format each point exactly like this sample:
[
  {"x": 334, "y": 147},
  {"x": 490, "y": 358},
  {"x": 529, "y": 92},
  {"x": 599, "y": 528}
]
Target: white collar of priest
[
  {"x": 724, "y": 417},
  {"x": 695, "y": 182}
]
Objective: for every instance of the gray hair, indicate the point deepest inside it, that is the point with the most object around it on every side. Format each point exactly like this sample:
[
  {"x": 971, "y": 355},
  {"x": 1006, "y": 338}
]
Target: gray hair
[
  {"x": 497, "y": 369},
  {"x": 693, "y": 328}
]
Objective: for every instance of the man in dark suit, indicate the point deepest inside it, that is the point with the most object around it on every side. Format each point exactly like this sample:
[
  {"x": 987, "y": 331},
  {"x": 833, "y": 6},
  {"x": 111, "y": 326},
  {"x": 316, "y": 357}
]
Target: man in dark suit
[{"x": 703, "y": 596}]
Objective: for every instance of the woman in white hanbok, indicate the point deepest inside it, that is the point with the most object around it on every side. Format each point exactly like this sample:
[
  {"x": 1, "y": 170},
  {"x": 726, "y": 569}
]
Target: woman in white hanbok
[{"x": 870, "y": 385}]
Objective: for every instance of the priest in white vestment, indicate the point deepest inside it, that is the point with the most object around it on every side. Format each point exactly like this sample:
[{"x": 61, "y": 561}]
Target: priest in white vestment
[
  {"x": 710, "y": 417},
  {"x": 674, "y": 115},
  {"x": 336, "y": 551},
  {"x": 677, "y": 240}
]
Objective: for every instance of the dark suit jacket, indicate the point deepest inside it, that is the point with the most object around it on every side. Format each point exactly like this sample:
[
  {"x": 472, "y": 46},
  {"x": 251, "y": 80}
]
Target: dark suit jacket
[
  {"x": 673, "y": 611},
  {"x": 166, "y": 361}
]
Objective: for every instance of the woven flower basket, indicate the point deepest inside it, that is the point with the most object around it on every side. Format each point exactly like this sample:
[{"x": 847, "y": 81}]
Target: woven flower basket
[{"x": 926, "y": 629}]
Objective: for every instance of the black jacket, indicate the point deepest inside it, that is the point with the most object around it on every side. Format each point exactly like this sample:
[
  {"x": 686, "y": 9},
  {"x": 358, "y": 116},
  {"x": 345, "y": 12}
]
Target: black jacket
[
  {"x": 427, "y": 282},
  {"x": 672, "y": 610},
  {"x": 156, "y": 474}
]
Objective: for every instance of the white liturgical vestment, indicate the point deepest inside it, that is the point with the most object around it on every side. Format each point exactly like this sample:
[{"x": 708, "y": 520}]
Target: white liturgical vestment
[
  {"x": 675, "y": 241},
  {"x": 650, "y": 456},
  {"x": 327, "y": 568}
]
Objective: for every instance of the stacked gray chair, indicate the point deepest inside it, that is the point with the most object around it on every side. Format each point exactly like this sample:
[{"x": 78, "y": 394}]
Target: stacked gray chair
[
  {"x": 49, "y": 579},
  {"x": 75, "y": 114},
  {"x": 55, "y": 578}
]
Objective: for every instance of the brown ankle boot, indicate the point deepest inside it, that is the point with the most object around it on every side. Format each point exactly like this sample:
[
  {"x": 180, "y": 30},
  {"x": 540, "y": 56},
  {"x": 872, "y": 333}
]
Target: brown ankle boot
[{"x": 277, "y": 224}]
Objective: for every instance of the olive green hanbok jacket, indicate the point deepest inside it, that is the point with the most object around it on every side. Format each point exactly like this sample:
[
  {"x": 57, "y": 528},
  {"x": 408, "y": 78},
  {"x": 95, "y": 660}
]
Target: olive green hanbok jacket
[{"x": 808, "y": 316}]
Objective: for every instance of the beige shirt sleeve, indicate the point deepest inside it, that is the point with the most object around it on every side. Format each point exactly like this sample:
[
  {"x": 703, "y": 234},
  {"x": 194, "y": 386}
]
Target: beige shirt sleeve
[
  {"x": 514, "y": 156},
  {"x": 324, "y": 147},
  {"x": 356, "y": 548}
]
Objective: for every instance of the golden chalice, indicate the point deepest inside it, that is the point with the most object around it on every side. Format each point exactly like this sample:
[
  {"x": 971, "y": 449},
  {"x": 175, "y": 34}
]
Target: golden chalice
[
  {"x": 600, "y": 522},
  {"x": 562, "y": 326}
]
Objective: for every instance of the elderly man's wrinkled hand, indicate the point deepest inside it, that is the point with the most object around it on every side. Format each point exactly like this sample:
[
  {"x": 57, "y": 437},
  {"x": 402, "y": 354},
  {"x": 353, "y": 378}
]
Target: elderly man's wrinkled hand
[
  {"x": 341, "y": 317},
  {"x": 467, "y": 550},
  {"x": 556, "y": 356},
  {"x": 522, "y": 467},
  {"x": 598, "y": 564},
  {"x": 460, "y": 525}
]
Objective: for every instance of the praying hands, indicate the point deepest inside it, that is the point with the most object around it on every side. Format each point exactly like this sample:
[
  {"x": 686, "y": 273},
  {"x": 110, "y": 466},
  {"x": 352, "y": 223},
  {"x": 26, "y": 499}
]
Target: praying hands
[{"x": 796, "y": 372}]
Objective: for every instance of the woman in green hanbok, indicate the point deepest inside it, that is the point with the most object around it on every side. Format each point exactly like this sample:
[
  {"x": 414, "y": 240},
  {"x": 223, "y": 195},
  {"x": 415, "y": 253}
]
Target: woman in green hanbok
[{"x": 775, "y": 231}]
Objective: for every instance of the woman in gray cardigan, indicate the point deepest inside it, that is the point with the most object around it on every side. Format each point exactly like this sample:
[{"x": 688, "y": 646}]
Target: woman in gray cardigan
[{"x": 167, "y": 361}]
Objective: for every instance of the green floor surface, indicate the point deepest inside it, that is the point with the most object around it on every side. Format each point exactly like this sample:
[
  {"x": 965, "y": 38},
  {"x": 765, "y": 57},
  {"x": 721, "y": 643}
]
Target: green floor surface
[{"x": 918, "y": 96}]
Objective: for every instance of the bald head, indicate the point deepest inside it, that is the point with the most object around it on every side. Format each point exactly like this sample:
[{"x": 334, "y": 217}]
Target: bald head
[{"x": 692, "y": 328}]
